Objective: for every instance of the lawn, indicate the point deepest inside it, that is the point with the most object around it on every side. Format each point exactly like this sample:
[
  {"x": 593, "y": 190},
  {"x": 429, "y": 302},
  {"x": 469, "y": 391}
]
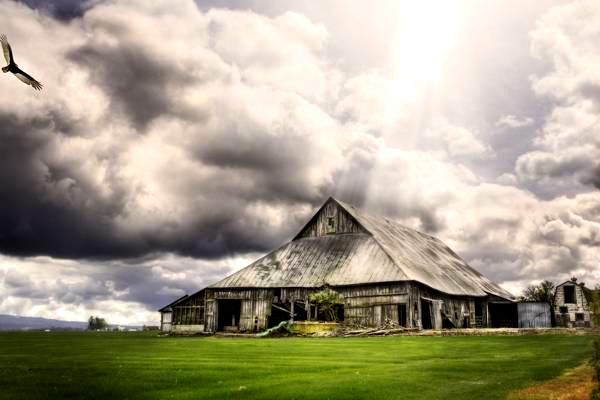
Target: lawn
[{"x": 144, "y": 366}]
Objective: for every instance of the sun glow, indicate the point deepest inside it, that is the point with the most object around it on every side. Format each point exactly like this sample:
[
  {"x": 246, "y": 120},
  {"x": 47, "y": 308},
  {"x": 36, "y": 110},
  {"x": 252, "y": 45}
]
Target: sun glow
[
  {"x": 425, "y": 35},
  {"x": 426, "y": 32}
]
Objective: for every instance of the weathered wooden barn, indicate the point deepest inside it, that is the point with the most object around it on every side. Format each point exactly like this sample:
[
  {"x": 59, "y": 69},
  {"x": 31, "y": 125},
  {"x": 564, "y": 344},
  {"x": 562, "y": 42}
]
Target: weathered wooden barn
[
  {"x": 571, "y": 306},
  {"x": 385, "y": 273}
]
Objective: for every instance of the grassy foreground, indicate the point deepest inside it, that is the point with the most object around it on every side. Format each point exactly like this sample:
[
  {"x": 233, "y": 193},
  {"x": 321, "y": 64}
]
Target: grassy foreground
[{"x": 144, "y": 366}]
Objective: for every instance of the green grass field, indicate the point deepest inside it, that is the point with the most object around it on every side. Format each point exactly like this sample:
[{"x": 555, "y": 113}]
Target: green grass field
[{"x": 144, "y": 366}]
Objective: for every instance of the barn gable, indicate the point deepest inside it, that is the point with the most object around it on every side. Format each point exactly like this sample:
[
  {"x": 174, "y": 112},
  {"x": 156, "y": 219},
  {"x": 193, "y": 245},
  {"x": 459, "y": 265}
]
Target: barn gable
[{"x": 331, "y": 218}]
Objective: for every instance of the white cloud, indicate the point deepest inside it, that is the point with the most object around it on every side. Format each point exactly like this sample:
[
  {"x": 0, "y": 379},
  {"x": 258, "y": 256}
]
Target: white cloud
[
  {"x": 512, "y": 122},
  {"x": 567, "y": 150}
]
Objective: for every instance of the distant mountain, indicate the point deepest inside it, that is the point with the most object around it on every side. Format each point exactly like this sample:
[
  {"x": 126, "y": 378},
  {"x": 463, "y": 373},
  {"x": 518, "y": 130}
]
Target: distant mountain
[{"x": 18, "y": 323}]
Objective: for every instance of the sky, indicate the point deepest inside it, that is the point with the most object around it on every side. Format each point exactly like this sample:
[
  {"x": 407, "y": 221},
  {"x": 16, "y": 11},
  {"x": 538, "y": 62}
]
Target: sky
[{"x": 177, "y": 141}]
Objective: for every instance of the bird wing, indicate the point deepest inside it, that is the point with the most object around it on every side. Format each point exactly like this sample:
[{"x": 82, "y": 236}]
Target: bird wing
[
  {"x": 28, "y": 79},
  {"x": 6, "y": 49}
]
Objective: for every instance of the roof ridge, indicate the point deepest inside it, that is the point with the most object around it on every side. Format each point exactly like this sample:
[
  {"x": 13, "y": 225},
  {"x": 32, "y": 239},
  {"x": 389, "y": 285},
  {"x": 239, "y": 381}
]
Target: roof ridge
[{"x": 362, "y": 210}]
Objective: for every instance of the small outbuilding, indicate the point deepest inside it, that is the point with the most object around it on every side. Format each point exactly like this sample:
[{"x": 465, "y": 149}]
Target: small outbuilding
[
  {"x": 571, "y": 306},
  {"x": 186, "y": 314}
]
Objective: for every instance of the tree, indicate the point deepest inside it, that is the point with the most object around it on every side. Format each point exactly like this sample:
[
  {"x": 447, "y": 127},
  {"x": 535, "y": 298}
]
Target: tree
[
  {"x": 543, "y": 293},
  {"x": 96, "y": 323},
  {"x": 326, "y": 300},
  {"x": 593, "y": 298}
]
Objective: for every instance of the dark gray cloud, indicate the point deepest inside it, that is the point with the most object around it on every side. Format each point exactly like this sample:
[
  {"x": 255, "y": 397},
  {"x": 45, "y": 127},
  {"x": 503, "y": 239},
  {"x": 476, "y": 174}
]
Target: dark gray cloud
[
  {"x": 61, "y": 9},
  {"x": 229, "y": 172},
  {"x": 49, "y": 206},
  {"x": 140, "y": 85}
]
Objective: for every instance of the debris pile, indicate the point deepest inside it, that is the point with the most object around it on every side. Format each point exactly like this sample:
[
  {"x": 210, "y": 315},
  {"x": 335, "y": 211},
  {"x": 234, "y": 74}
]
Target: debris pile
[{"x": 283, "y": 329}]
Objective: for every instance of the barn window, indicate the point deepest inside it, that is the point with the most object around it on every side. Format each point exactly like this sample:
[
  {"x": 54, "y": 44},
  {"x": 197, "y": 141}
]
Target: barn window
[
  {"x": 579, "y": 317},
  {"x": 564, "y": 310},
  {"x": 277, "y": 295},
  {"x": 330, "y": 224},
  {"x": 569, "y": 294}
]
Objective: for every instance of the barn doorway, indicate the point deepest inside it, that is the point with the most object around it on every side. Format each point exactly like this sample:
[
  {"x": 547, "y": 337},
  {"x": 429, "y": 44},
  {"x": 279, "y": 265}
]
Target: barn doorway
[
  {"x": 426, "y": 314},
  {"x": 300, "y": 312},
  {"x": 229, "y": 315},
  {"x": 402, "y": 318},
  {"x": 279, "y": 312},
  {"x": 478, "y": 314},
  {"x": 503, "y": 315}
]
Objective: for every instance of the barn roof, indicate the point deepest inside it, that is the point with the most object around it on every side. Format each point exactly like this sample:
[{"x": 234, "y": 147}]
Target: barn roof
[
  {"x": 386, "y": 252},
  {"x": 179, "y": 300}
]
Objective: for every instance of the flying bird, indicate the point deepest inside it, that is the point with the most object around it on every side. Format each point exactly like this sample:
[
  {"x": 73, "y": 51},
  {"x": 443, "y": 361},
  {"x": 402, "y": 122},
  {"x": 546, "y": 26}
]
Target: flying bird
[{"x": 14, "y": 68}]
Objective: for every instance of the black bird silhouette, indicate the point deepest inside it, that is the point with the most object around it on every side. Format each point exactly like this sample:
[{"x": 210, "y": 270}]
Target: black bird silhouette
[{"x": 14, "y": 68}]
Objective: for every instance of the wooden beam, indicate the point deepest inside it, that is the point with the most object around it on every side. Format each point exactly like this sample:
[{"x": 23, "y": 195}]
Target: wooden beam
[
  {"x": 280, "y": 308},
  {"x": 292, "y": 312}
]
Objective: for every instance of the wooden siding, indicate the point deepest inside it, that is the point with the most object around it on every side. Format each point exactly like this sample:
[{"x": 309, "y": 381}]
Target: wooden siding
[
  {"x": 165, "y": 321},
  {"x": 374, "y": 305},
  {"x": 255, "y": 307},
  {"x": 320, "y": 224},
  {"x": 534, "y": 315},
  {"x": 189, "y": 312},
  {"x": 365, "y": 305},
  {"x": 455, "y": 308}
]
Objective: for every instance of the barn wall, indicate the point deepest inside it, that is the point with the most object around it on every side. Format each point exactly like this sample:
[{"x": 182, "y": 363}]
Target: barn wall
[
  {"x": 458, "y": 310},
  {"x": 534, "y": 315},
  {"x": 189, "y": 313},
  {"x": 188, "y": 328},
  {"x": 373, "y": 305},
  {"x": 255, "y": 307},
  {"x": 165, "y": 321},
  {"x": 367, "y": 305},
  {"x": 320, "y": 224}
]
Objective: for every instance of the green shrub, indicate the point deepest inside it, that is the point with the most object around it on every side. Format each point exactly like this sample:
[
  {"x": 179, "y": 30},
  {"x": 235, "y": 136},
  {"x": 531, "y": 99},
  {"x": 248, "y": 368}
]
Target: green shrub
[
  {"x": 596, "y": 359},
  {"x": 596, "y": 364},
  {"x": 326, "y": 300}
]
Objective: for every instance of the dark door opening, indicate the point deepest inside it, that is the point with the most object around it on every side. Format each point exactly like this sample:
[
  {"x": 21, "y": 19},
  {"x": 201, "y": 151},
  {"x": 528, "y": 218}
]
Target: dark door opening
[
  {"x": 504, "y": 315},
  {"x": 426, "y": 311},
  {"x": 338, "y": 309},
  {"x": 402, "y": 319},
  {"x": 478, "y": 314},
  {"x": 569, "y": 292},
  {"x": 229, "y": 315},
  {"x": 278, "y": 314},
  {"x": 300, "y": 312},
  {"x": 466, "y": 321}
]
